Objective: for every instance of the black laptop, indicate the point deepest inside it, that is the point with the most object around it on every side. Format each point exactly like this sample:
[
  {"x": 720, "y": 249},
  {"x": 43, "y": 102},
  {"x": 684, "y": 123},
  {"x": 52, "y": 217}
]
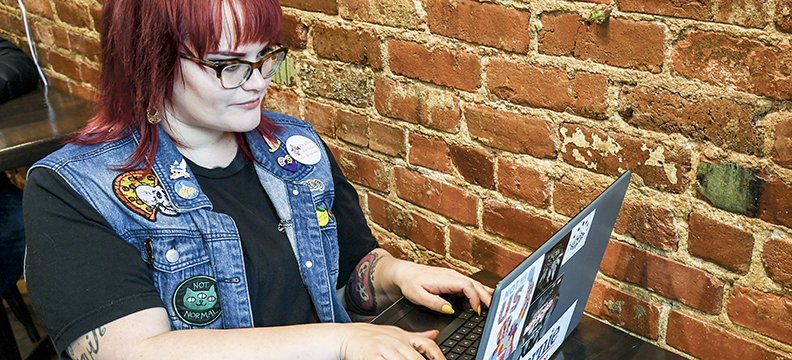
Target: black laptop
[{"x": 538, "y": 304}]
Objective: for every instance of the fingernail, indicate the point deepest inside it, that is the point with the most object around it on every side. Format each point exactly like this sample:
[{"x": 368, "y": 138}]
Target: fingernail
[
  {"x": 478, "y": 310},
  {"x": 436, "y": 332},
  {"x": 447, "y": 309}
]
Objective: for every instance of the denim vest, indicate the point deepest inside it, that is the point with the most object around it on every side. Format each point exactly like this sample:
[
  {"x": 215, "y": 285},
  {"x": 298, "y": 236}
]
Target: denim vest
[{"x": 194, "y": 253}]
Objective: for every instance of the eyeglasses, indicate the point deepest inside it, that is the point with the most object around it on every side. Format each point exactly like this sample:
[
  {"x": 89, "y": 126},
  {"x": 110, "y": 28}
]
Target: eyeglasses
[{"x": 234, "y": 73}]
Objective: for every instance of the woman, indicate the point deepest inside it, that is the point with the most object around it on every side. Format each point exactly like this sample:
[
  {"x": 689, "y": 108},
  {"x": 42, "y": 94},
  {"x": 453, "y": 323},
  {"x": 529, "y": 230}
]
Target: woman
[{"x": 183, "y": 207}]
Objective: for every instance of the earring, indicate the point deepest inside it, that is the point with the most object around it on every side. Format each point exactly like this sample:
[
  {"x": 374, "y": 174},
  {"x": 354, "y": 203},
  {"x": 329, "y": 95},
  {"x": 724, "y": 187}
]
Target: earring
[{"x": 154, "y": 118}]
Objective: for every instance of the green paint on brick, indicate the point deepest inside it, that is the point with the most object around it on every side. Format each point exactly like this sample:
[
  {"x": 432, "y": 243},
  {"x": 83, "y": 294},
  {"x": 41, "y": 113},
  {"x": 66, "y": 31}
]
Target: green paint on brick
[
  {"x": 730, "y": 187},
  {"x": 285, "y": 73}
]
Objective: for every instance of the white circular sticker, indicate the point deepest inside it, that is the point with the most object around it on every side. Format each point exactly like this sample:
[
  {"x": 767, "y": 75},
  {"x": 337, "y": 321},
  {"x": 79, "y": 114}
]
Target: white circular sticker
[{"x": 303, "y": 150}]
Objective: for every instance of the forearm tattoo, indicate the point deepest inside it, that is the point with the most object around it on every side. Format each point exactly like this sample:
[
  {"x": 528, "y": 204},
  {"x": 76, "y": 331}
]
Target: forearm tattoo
[
  {"x": 89, "y": 344},
  {"x": 360, "y": 289}
]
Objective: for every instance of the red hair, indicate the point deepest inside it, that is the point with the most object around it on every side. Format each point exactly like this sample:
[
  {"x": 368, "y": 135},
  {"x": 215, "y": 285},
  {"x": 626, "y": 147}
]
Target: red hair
[{"x": 141, "y": 42}]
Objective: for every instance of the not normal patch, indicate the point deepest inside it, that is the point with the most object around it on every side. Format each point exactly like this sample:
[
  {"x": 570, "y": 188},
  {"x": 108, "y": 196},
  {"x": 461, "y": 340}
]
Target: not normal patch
[{"x": 196, "y": 301}]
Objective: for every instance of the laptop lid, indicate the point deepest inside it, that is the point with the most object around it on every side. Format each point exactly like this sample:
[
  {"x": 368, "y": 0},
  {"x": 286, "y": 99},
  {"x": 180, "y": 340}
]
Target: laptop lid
[{"x": 538, "y": 304}]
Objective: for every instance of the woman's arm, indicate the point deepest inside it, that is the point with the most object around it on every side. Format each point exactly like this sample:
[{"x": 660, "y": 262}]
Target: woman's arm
[
  {"x": 380, "y": 279},
  {"x": 146, "y": 335}
]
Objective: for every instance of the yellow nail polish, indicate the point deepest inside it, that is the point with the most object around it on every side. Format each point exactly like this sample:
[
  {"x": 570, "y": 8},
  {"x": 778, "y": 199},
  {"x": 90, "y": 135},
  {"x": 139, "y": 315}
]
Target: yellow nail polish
[
  {"x": 478, "y": 310},
  {"x": 447, "y": 309}
]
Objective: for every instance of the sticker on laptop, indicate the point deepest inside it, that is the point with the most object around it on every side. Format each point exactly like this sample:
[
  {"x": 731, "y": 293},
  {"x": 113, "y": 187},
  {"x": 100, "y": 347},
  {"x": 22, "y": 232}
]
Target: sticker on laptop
[
  {"x": 552, "y": 265},
  {"x": 552, "y": 339},
  {"x": 510, "y": 314},
  {"x": 578, "y": 236},
  {"x": 542, "y": 308}
]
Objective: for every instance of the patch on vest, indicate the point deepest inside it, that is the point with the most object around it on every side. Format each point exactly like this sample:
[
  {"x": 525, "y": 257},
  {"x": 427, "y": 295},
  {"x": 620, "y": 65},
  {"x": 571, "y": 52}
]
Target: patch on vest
[
  {"x": 195, "y": 301},
  {"x": 142, "y": 193}
]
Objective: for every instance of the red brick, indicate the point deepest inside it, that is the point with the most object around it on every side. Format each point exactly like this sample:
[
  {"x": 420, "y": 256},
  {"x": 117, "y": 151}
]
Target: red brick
[
  {"x": 435, "y": 109},
  {"x": 454, "y": 68},
  {"x": 352, "y": 128},
  {"x": 96, "y": 15},
  {"x": 386, "y": 139},
  {"x": 725, "y": 123},
  {"x": 364, "y": 170},
  {"x": 523, "y": 134},
  {"x": 625, "y": 310},
  {"x": 85, "y": 46},
  {"x": 451, "y": 201},
  {"x": 42, "y": 32},
  {"x": 398, "y": 13},
  {"x": 39, "y": 7},
  {"x": 62, "y": 37},
  {"x": 775, "y": 203},
  {"x": 322, "y": 117},
  {"x": 431, "y": 152},
  {"x": 64, "y": 65},
  {"x": 571, "y": 195},
  {"x": 782, "y": 147},
  {"x": 518, "y": 225},
  {"x": 408, "y": 224},
  {"x": 294, "y": 34},
  {"x": 73, "y": 13},
  {"x": 776, "y": 257},
  {"x": 523, "y": 183},
  {"x": 481, "y": 23},
  {"x": 709, "y": 342},
  {"x": 391, "y": 246},
  {"x": 476, "y": 165},
  {"x": 11, "y": 21},
  {"x": 723, "y": 244},
  {"x": 482, "y": 253},
  {"x": 748, "y": 13},
  {"x": 659, "y": 166},
  {"x": 784, "y": 15},
  {"x": 690, "y": 286},
  {"x": 325, "y": 6},
  {"x": 649, "y": 224},
  {"x": 519, "y": 83},
  {"x": 59, "y": 84},
  {"x": 617, "y": 42},
  {"x": 89, "y": 75},
  {"x": 769, "y": 314},
  {"x": 84, "y": 92},
  {"x": 355, "y": 46},
  {"x": 282, "y": 100},
  {"x": 747, "y": 64}
]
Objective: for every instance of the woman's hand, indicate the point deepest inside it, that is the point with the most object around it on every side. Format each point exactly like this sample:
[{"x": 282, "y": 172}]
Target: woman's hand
[
  {"x": 422, "y": 285},
  {"x": 367, "y": 341}
]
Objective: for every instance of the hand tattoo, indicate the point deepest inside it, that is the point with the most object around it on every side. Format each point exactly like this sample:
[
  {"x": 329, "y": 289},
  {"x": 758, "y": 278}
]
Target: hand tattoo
[
  {"x": 90, "y": 343},
  {"x": 360, "y": 289}
]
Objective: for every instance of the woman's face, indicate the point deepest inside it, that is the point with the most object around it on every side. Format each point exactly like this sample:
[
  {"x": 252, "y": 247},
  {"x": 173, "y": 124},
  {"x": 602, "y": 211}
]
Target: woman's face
[{"x": 202, "y": 106}]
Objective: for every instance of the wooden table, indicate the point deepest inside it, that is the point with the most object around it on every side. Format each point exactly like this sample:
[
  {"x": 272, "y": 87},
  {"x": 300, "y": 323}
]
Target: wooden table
[{"x": 35, "y": 124}]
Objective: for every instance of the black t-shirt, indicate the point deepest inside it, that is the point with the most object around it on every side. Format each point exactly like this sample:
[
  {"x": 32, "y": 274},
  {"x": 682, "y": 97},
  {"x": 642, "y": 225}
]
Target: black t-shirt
[{"x": 81, "y": 275}]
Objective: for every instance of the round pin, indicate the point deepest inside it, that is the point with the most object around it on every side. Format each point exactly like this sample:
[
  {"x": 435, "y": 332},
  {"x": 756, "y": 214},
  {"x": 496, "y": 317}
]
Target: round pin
[
  {"x": 309, "y": 264},
  {"x": 172, "y": 255},
  {"x": 186, "y": 189},
  {"x": 303, "y": 150}
]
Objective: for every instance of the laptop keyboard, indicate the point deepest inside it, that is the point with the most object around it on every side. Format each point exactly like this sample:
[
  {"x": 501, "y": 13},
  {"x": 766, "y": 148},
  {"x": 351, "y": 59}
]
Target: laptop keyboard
[{"x": 464, "y": 341}]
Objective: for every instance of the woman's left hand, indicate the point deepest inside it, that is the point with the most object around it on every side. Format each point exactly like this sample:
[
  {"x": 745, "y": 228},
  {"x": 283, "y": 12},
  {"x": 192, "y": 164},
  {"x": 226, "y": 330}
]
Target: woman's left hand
[{"x": 423, "y": 285}]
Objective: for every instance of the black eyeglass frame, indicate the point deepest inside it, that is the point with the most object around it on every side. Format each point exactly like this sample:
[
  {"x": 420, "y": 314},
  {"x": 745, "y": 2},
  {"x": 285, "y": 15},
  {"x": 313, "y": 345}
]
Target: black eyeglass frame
[{"x": 219, "y": 65}]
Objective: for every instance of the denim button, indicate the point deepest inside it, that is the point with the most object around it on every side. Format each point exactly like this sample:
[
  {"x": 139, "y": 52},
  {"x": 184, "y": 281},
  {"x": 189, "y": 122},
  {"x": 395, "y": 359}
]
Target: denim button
[
  {"x": 296, "y": 192},
  {"x": 172, "y": 255},
  {"x": 309, "y": 264}
]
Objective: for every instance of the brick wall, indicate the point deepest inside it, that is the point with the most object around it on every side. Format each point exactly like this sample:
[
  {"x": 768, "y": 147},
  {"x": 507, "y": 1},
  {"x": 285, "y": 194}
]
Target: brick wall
[{"x": 473, "y": 130}]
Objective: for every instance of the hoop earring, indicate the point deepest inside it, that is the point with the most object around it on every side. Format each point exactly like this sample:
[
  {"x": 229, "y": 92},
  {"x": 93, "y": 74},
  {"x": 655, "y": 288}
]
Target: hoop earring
[{"x": 154, "y": 118}]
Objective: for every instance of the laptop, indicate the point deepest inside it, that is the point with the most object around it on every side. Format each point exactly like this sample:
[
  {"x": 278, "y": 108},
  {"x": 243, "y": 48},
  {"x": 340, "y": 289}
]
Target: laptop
[{"x": 538, "y": 304}]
